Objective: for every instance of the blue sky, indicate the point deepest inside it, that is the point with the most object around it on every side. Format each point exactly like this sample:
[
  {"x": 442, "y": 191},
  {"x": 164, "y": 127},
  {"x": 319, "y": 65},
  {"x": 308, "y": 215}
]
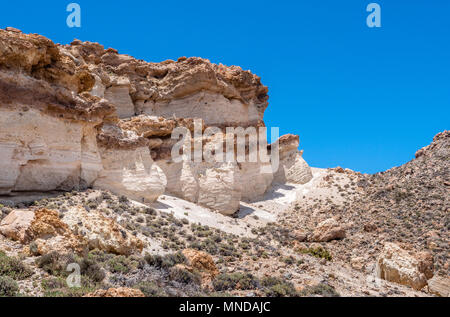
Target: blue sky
[{"x": 360, "y": 98}]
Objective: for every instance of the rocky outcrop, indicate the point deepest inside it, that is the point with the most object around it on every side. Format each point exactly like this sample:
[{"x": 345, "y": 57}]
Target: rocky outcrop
[
  {"x": 187, "y": 88},
  {"x": 201, "y": 263},
  {"x": 79, "y": 116},
  {"x": 128, "y": 168},
  {"x": 328, "y": 230},
  {"x": 293, "y": 168},
  {"x": 77, "y": 231},
  {"x": 102, "y": 233},
  {"x": 16, "y": 224},
  {"x": 44, "y": 228},
  {"x": 41, "y": 153},
  {"x": 401, "y": 266},
  {"x": 440, "y": 286}
]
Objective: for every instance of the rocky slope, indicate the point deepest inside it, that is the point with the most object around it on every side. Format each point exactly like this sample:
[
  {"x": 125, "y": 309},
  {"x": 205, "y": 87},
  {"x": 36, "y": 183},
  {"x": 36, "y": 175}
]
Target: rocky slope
[
  {"x": 396, "y": 222},
  {"x": 87, "y": 178}
]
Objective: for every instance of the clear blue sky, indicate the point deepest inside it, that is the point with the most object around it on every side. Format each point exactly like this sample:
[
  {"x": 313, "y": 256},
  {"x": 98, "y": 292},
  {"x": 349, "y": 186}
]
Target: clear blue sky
[{"x": 360, "y": 98}]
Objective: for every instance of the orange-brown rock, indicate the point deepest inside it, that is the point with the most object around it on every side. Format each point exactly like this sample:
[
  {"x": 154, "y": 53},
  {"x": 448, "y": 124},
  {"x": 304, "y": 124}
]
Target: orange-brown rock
[
  {"x": 78, "y": 231},
  {"x": 203, "y": 263},
  {"x": 149, "y": 126},
  {"x": 44, "y": 228}
]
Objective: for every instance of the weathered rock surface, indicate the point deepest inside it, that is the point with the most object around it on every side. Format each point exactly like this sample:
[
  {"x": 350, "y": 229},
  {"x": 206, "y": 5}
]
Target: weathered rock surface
[
  {"x": 15, "y": 225},
  {"x": 76, "y": 232},
  {"x": 102, "y": 233},
  {"x": 41, "y": 153},
  {"x": 202, "y": 263},
  {"x": 396, "y": 264},
  {"x": 439, "y": 286},
  {"x": 328, "y": 230},
  {"x": 60, "y": 126},
  {"x": 293, "y": 167},
  {"x": 49, "y": 234},
  {"x": 128, "y": 168}
]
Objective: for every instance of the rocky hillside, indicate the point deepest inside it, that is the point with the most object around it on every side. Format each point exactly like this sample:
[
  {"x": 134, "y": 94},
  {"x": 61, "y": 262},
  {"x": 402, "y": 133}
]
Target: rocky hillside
[
  {"x": 87, "y": 180},
  {"x": 405, "y": 209}
]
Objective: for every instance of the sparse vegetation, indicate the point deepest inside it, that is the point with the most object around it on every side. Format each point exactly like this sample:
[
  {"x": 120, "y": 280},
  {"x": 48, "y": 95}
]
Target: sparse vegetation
[
  {"x": 321, "y": 289},
  {"x": 232, "y": 281},
  {"x": 277, "y": 287},
  {"x": 318, "y": 252},
  {"x": 13, "y": 267}
]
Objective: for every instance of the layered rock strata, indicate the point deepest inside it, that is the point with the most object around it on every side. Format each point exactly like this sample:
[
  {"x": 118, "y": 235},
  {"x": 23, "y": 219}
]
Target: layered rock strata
[{"x": 77, "y": 116}]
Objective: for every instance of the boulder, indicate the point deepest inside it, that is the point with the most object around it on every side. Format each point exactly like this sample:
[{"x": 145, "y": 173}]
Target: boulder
[
  {"x": 328, "y": 230},
  {"x": 44, "y": 228},
  {"x": 202, "y": 263},
  {"x": 398, "y": 265},
  {"x": 300, "y": 235},
  {"x": 440, "y": 286},
  {"x": 358, "y": 263},
  {"x": 15, "y": 225}
]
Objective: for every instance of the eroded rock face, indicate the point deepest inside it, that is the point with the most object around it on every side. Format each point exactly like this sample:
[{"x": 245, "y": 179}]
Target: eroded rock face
[
  {"x": 128, "y": 168},
  {"x": 61, "y": 130},
  {"x": 15, "y": 225},
  {"x": 293, "y": 167},
  {"x": 401, "y": 266}
]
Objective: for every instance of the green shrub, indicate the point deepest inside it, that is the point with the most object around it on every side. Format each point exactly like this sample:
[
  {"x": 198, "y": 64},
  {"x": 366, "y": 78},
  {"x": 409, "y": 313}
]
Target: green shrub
[
  {"x": 55, "y": 263},
  {"x": 321, "y": 289},
  {"x": 68, "y": 292},
  {"x": 289, "y": 260},
  {"x": 123, "y": 199},
  {"x": 92, "y": 270},
  {"x": 13, "y": 267},
  {"x": 166, "y": 261},
  {"x": 8, "y": 287},
  {"x": 53, "y": 283},
  {"x": 151, "y": 289},
  {"x": 318, "y": 253},
  {"x": 276, "y": 287},
  {"x": 182, "y": 275},
  {"x": 119, "y": 264},
  {"x": 57, "y": 287},
  {"x": 242, "y": 281}
]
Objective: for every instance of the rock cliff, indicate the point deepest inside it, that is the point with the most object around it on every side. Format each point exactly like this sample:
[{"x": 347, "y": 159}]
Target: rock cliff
[{"x": 78, "y": 116}]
